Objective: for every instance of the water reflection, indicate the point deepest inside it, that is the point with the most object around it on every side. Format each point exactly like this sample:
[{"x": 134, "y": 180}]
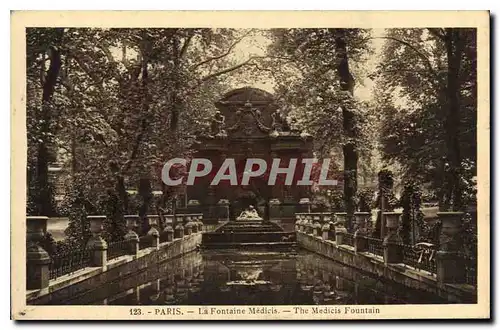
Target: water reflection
[{"x": 218, "y": 277}]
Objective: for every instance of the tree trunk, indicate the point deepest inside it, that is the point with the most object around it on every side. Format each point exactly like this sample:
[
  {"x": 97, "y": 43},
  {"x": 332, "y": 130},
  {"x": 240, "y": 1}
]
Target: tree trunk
[
  {"x": 44, "y": 200},
  {"x": 454, "y": 50},
  {"x": 349, "y": 148},
  {"x": 175, "y": 106},
  {"x": 146, "y": 193}
]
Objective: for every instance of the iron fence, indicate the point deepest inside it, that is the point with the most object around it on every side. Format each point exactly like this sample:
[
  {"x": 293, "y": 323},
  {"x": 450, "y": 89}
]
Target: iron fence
[
  {"x": 470, "y": 270},
  {"x": 419, "y": 258},
  {"x": 163, "y": 236},
  {"x": 375, "y": 246},
  {"x": 348, "y": 239},
  {"x": 118, "y": 249},
  {"x": 67, "y": 263},
  {"x": 145, "y": 242}
]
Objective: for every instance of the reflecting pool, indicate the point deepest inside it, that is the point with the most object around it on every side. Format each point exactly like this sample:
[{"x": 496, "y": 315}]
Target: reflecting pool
[{"x": 230, "y": 277}]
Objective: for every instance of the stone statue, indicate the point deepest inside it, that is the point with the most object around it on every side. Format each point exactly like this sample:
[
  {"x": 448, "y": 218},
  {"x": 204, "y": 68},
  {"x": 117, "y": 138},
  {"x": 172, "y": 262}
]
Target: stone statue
[
  {"x": 217, "y": 126},
  {"x": 249, "y": 214},
  {"x": 279, "y": 124}
]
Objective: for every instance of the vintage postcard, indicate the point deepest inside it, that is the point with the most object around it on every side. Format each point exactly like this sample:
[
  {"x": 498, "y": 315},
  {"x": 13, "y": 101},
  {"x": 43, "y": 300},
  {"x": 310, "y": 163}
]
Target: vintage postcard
[{"x": 250, "y": 165}]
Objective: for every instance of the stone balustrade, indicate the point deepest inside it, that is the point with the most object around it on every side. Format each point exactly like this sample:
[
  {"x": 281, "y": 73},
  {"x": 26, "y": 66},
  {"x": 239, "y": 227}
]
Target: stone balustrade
[
  {"x": 39, "y": 262},
  {"x": 449, "y": 260}
]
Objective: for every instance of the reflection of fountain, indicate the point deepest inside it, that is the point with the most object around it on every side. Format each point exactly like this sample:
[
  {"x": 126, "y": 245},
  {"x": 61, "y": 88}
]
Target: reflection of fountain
[{"x": 249, "y": 274}]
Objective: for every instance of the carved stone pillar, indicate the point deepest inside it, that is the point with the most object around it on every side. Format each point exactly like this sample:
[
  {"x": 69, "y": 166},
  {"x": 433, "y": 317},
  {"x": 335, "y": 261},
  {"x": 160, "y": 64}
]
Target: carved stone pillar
[
  {"x": 96, "y": 243},
  {"x": 179, "y": 230},
  {"x": 169, "y": 220},
  {"x": 37, "y": 259},
  {"x": 133, "y": 239},
  {"x": 326, "y": 217},
  {"x": 309, "y": 224},
  {"x": 188, "y": 225},
  {"x": 298, "y": 220},
  {"x": 194, "y": 223},
  {"x": 153, "y": 231},
  {"x": 340, "y": 229},
  {"x": 360, "y": 242},
  {"x": 393, "y": 252},
  {"x": 316, "y": 226},
  {"x": 450, "y": 265},
  {"x": 200, "y": 222}
]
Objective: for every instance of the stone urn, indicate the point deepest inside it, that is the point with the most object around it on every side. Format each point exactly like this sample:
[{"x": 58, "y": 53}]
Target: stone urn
[
  {"x": 393, "y": 251},
  {"x": 37, "y": 259},
  {"x": 340, "y": 229}
]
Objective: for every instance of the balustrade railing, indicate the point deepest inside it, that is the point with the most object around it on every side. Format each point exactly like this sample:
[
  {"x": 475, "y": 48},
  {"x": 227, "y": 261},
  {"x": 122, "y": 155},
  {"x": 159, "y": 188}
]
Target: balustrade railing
[
  {"x": 118, "y": 249},
  {"x": 375, "y": 246},
  {"x": 419, "y": 258},
  {"x": 69, "y": 262},
  {"x": 348, "y": 239},
  {"x": 470, "y": 270}
]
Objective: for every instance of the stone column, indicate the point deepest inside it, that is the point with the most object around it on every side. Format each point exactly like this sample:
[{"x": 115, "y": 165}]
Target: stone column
[
  {"x": 297, "y": 222},
  {"x": 96, "y": 243},
  {"x": 194, "y": 223},
  {"x": 316, "y": 224},
  {"x": 153, "y": 231},
  {"x": 360, "y": 242},
  {"x": 179, "y": 229},
  {"x": 325, "y": 230},
  {"x": 393, "y": 252},
  {"x": 340, "y": 229},
  {"x": 450, "y": 265},
  {"x": 179, "y": 220},
  {"x": 169, "y": 220},
  {"x": 131, "y": 221},
  {"x": 188, "y": 227},
  {"x": 169, "y": 232},
  {"x": 326, "y": 226},
  {"x": 200, "y": 222},
  {"x": 309, "y": 223},
  {"x": 300, "y": 223},
  {"x": 37, "y": 259},
  {"x": 331, "y": 226}
]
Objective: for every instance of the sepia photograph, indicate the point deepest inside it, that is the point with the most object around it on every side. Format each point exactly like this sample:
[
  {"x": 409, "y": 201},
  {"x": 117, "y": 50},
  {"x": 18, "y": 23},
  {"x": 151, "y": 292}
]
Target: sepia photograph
[{"x": 335, "y": 169}]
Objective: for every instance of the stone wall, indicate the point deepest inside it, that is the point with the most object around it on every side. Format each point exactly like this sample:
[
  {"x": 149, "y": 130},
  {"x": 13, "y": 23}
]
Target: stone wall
[
  {"x": 82, "y": 282},
  {"x": 398, "y": 273}
]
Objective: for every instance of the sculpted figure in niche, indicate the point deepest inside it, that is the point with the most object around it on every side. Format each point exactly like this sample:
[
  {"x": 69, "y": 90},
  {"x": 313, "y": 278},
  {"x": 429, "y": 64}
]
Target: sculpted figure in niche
[
  {"x": 279, "y": 123},
  {"x": 249, "y": 214}
]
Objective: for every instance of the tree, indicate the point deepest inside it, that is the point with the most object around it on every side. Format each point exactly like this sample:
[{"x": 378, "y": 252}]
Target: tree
[
  {"x": 42, "y": 46},
  {"x": 426, "y": 88},
  {"x": 124, "y": 101},
  {"x": 325, "y": 105}
]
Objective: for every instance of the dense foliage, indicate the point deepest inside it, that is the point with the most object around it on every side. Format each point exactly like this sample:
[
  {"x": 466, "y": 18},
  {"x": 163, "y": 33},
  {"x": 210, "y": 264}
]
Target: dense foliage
[{"x": 111, "y": 105}]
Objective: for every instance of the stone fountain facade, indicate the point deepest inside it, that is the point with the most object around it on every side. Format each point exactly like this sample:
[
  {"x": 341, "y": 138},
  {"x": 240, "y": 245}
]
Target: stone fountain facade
[{"x": 249, "y": 124}]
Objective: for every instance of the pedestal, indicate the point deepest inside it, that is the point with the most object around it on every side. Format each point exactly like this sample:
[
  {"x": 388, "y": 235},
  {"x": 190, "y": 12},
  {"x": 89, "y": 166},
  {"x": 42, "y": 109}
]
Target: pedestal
[
  {"x": 393, "y": 250},
  {"x": 37, "y": 259},
  {"x": 131, "y": 237},
  {"x": 360, "y": 241},
  {"x": 340, "y": 229},
  {"x": 96, "y": 244},
  {"x": 449, "y": 262}
]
